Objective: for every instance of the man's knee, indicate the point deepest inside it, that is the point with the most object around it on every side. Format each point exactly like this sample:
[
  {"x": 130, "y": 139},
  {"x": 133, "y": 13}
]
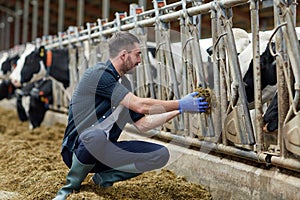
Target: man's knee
[
  {"x": 154, "y": 160},
  {"x": 164, "y": 156}
]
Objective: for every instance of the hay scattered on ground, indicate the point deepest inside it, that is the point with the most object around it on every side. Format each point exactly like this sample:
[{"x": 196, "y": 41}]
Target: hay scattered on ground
[{"x": 31, "y": 168}]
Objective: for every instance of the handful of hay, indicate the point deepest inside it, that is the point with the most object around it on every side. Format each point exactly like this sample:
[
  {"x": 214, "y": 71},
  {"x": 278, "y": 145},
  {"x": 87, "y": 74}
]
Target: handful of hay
[{"x": 209, "y": 97}]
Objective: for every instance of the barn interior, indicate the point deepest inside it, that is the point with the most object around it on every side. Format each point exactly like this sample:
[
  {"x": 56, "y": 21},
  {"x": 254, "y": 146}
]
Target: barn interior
[{"x": 24, "y": 21}]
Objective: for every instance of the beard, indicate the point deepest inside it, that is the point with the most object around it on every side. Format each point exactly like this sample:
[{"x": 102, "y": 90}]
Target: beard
[{"x": 130, "y": 67}]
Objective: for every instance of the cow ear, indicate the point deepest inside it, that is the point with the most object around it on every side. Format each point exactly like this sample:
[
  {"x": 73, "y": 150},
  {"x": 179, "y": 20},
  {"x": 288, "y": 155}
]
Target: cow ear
[{"x": 42, "y": 51}]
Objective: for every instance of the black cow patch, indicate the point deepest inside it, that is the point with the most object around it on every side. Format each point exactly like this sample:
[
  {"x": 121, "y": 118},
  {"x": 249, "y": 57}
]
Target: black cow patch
[
  {"x": 6, "y": 89},
  {"x": 268, "y": 73},
  {"x": 271, "y": 115},
  {"x": 40, "y": 98}
]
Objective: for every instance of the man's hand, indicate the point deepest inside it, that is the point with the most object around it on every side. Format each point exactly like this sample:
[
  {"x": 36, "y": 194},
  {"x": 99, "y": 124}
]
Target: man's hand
[{"x": 190, "y": 103}]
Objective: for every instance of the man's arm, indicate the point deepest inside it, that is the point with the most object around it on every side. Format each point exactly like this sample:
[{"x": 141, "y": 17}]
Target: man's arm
[
  {"x": 148, "y": 105},
  {"x": 152, "y": 121}
]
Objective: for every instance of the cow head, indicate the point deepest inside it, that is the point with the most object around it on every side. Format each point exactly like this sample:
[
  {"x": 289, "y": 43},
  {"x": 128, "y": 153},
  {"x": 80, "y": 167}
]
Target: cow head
[
  {"x": 270, "y": 117},
  {"x": 30, "y": 67},
  {"x": 268, "y": 73},
  {"x": 34, "y": 64}
]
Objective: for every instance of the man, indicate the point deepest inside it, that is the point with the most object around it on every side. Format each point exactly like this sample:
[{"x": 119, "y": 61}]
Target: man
[{"x": 100, "y": 108}]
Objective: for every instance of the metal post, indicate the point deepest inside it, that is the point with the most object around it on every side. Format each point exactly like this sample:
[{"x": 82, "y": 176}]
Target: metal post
[
  {"x": 35, "y": 5},
  {"x": 18, "y": 13},
  {"x": 254, "y": 6},
  {"x": 25, "y": 21},
  {"x": 61, "y": 8},
  {"x": 282, "y": 92},
  {"x": 105, "y": 9},
  {"x": 80, "y": 12},
  {"x": 2, "y": 35},
  {"x": 8, "y": 20},
  {"x": 217, "y": 115},
  {"x": 143, "y": 3},
  {"x": 46, "y": 18}
]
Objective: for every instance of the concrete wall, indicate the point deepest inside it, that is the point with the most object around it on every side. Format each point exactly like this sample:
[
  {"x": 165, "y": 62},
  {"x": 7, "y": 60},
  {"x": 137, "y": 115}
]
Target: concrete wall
[{"x": 227, "y": 179}]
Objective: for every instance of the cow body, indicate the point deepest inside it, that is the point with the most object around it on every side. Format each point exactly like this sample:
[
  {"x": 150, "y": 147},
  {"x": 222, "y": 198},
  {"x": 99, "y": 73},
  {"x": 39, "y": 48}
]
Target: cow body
[
  {"x": 34, "y": 64},
  {"x": 32, "y": 68}
]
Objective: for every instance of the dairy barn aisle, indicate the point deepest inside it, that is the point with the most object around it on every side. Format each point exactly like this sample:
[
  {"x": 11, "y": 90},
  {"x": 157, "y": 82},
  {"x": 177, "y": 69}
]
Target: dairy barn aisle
[{"x": 32, "y": 168}]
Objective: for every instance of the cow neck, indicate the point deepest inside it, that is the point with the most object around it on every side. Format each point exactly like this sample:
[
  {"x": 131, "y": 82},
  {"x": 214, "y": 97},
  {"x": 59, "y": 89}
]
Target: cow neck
[{"x": 48, "y": 61}]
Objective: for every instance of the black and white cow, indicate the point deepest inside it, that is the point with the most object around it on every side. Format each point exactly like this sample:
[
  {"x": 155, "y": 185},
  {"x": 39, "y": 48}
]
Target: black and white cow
[
  {"x": 268, "y": 69},
  {"x": 40, "y": 99},
  {"x": 33, "y": 66},
  {"x": 7, "y": 64}
]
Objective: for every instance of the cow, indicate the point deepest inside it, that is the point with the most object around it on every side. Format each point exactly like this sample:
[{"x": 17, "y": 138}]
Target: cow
[
  {"x": 35, "y": 63},
  {"x": 22, "y": 101},
  {"x": 241, "y": 38},
  {"x": 7, "y": 64},
  {"x": 33, "y": 101},
  {"x": 245, "y": 58},
  {"x": 31, "y": 72},
  {"x": 176, "y": 50},
  {"x": 40, "y": 99},
  {"x": 268, "y": 69}
]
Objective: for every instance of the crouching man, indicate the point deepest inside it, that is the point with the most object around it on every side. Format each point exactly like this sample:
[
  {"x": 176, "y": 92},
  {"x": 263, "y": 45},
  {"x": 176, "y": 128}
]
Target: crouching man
[{"x": 101, "y": 106}]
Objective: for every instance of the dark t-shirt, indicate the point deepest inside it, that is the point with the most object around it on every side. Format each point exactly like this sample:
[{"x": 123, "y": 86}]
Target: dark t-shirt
[{"x": 96, "y": 97}]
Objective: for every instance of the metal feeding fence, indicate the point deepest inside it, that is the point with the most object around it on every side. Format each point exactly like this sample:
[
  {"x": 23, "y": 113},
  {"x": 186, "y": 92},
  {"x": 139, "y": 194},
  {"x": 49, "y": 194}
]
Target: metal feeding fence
[{"x": 181, "y": 67}]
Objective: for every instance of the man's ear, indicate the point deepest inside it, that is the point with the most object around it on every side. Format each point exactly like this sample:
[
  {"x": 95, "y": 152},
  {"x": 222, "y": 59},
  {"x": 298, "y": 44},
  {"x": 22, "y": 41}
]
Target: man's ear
[{"x": 123, "y": 54}]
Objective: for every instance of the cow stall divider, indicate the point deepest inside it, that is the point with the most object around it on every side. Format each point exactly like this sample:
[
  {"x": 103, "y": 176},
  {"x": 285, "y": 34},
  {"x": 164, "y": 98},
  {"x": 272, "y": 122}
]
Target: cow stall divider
[{"x": 228, "y": 129}]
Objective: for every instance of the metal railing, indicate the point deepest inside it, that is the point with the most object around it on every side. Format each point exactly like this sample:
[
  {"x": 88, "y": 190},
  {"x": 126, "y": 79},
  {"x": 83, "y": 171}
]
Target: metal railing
[{"x": 228, "y": 128}]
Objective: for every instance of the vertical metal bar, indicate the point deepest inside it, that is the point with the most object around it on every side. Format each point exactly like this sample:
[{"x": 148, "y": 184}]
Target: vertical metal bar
[
  {"x": 46, "y": 18},
  {"x": 282, "y": 94},
  {"x": 2, "y": 29},
  {"x": 143, "y": 3},
  {"x": 216, "y": 73},
  {"x": 35, "y": 5},
  {"x": 61, "y": 8},
  {"x": 199, "y": 18},
  {"x": 8, "y": 19},
  {"x": 105, "y": 9},
  {"x": 17, "y": 23},
  {"x": 80, "y": 12},
  {"x": 25, "y": 21},
  {"x": 254, "y": 6}
]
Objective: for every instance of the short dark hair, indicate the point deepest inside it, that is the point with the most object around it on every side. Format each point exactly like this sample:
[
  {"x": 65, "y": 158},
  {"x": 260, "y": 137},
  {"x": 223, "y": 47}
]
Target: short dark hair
[{"x": 120, "y": 41}]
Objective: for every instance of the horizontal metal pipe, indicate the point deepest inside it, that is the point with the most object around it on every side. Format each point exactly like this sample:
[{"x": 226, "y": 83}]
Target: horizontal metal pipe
[
  {"x": 200, "y": 9},
  {"x": 205, "y": 145},
  {"x": 286, "y": 163}
]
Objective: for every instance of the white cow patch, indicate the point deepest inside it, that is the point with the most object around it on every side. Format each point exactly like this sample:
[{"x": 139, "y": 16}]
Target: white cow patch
[
  {"x": 3, "y": 58},
  {"x": 42, "y": 73},
  {"x": 16, "y": 73},
  {"x": 246, "y": 56}
]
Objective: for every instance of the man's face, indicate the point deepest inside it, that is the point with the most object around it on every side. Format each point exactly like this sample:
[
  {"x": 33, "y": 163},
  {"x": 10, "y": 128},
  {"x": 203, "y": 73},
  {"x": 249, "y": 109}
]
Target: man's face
[{"x": 132, "y": 58}]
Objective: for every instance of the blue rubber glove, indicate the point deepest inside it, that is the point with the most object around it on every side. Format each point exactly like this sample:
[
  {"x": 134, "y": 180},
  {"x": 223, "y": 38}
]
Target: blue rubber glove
[{"x": 189, "y": 103}]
